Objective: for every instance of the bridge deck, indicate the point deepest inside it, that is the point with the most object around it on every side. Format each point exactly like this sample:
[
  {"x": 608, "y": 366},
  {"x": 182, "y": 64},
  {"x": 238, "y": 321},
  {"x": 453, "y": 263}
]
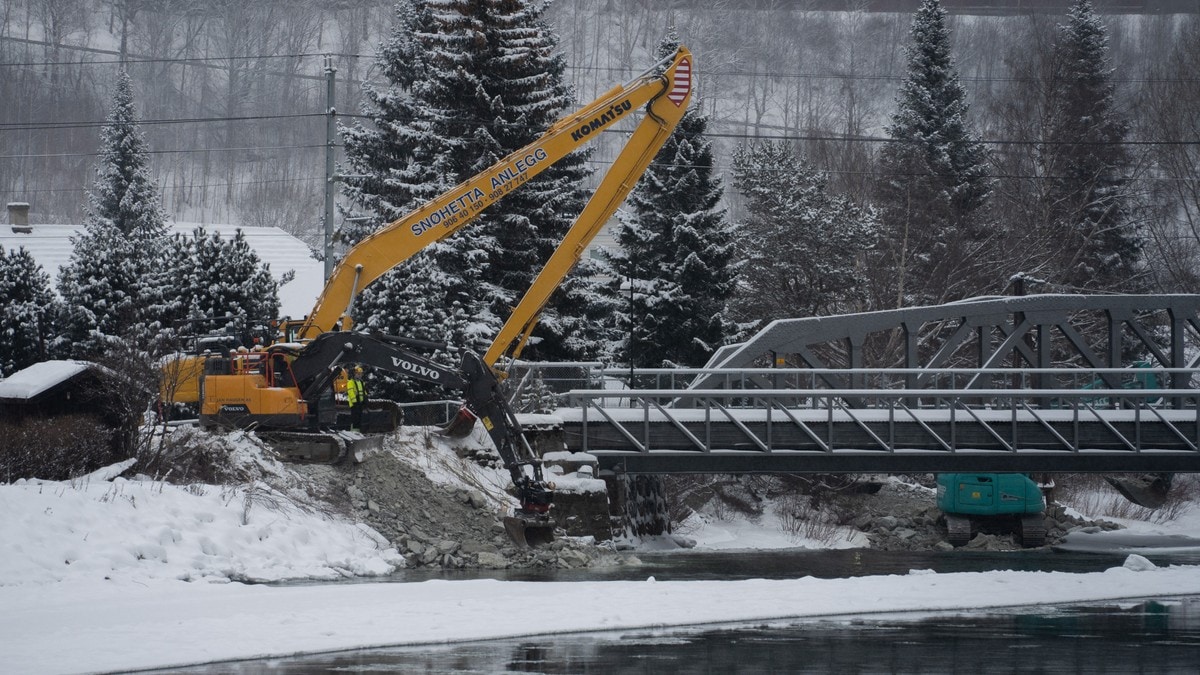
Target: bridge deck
[{"x": 1071, "y": 434}]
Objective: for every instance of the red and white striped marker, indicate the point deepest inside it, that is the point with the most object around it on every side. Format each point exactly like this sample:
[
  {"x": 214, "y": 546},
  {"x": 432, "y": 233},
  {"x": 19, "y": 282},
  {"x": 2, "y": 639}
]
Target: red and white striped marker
[{"x": 683, "y": 82}]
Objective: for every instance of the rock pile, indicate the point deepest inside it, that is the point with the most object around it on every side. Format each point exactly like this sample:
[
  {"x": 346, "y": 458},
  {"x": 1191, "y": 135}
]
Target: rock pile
[
  {"x": 903, "y": 517},
  {"x": 439, "y": 526}
]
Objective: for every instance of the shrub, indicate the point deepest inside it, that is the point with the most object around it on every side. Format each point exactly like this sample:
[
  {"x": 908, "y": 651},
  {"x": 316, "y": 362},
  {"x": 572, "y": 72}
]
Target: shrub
[{"x": 57, "y": 448}]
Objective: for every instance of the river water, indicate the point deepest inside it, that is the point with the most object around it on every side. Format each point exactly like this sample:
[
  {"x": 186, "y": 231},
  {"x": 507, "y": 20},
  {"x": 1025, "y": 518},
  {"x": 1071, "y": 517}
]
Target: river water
[{"x": 1158, "y": 636}]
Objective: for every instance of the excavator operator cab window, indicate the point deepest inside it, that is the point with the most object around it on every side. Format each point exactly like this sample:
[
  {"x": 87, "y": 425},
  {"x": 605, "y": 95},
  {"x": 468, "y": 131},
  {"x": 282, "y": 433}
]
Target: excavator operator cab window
[
  {"x": 281, "y": 372},
  {"x": 288, "y": 330}
]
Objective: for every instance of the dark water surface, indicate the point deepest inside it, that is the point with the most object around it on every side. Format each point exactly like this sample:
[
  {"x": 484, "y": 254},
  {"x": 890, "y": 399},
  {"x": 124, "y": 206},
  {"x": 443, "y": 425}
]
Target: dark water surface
[
  {"x": 1161, "y": 636},
  {"x": 1158, "y": 636},
  {"x": 1092, "y": 556}
]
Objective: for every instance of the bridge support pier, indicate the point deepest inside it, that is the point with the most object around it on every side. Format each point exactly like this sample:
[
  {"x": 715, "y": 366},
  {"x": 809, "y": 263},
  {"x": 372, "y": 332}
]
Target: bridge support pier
[{"x": 638, "y": 504}]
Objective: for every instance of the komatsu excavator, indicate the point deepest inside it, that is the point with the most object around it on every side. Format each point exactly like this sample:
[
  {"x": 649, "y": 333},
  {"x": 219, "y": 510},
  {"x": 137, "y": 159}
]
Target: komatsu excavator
[{"x": 285, "y": 388}]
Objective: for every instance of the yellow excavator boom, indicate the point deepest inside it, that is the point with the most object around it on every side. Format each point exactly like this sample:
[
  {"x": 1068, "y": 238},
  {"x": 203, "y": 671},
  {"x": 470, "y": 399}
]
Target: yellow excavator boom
[
  {"x": 665, "y": 91},
  {"x": 662, "y": 116}
]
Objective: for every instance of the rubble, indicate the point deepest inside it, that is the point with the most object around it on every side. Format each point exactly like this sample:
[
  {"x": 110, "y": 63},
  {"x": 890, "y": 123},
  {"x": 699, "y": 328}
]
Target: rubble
[
  {"x": 434, "y": 525},
  {"x": 449, "y": 526},
  {"x": 905, "y": 517}
]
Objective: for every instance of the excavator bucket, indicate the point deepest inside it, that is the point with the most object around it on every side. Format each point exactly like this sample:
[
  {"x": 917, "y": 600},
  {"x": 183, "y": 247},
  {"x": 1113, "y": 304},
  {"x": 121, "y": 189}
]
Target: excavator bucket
[
  {"x": 1149, "y": 490},
  {"x": 359, "y": 447},
  {"x": 529, "y": 532},
  {"x": 461, "y": 425}
]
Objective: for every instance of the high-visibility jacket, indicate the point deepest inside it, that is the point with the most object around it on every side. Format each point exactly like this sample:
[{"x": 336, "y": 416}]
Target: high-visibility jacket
[{"x": 356, "y": 392}]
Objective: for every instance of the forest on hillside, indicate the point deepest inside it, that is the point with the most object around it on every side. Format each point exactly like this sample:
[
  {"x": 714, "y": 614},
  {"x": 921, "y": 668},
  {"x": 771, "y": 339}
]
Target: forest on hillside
[{"x": 232, "y": 94}]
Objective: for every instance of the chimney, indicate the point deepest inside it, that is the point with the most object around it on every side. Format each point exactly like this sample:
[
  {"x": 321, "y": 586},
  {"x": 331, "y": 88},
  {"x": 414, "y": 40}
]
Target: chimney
[{"x": 18, "y": 217}]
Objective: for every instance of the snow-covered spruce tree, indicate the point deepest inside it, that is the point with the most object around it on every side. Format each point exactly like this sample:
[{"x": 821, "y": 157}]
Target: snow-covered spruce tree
[
  {"x": 218, "y": 284},
  {"x": 383, "y": 178},
  {"x": 1087, "y": 197},
  {"x": 470, "y": 81},
  {"x": 27, "y": 307},
  {"x": 933, "y": 187},
  {"x": 675, "y": 262},
  {"x": 113, "y": 275},
  {"x": 802, "y": 246}
]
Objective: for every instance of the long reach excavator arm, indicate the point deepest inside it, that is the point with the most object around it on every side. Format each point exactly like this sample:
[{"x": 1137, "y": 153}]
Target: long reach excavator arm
[
  {"x": 664, "y": 90},
  {"x": 287, "y": 389}
]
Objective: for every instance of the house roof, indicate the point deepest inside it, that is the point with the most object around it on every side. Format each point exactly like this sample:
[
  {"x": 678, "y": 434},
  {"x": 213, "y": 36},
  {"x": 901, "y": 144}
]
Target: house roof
[
  {"x": 50, "y": 246},
  {"x": 38, "y": 378}
]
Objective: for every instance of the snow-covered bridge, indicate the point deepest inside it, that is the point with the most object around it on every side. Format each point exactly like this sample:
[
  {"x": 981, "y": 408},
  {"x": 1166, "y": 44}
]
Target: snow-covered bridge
[{"x": 1031, "y": 383}]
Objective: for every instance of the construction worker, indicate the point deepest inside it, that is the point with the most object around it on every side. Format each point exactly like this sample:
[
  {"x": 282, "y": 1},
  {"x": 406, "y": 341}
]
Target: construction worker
[{"x": 356, "y": 395}]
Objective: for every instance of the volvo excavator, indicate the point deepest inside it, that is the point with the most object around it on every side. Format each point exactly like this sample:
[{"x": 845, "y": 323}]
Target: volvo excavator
[{"x": 284, "y": 390}]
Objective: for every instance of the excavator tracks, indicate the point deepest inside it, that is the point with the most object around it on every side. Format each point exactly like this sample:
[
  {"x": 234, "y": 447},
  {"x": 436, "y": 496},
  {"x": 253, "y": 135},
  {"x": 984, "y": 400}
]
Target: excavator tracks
[
  {"x": 1033, "y": 531},
  {"x": 958, "y": 530},
  {"x": 332, "y": 447}
]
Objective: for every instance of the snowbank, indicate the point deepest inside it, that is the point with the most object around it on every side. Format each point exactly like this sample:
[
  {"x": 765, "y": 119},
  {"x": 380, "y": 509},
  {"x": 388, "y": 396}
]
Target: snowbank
[
  {"x": 93, "y": 530},
  {"x": 123, "y": 625}
]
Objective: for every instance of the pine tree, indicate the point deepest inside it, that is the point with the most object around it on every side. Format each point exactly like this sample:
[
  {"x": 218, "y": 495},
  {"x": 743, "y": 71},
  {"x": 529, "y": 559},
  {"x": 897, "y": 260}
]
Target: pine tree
[
  {"x": 99, "y": 287},
  {"x": 470, "y": 81},
  {"x": 218, "y": 284},
  {"x": 934, "y": 185},
  {"x": 124, "y": 193},
  {"x": 1087, "y": 198},
  {"x": 802, "y": 245},
  {"x": 116, "y": 262},
  {"x": 27, "y": 306},
  {"x": 675, "y": 262}
]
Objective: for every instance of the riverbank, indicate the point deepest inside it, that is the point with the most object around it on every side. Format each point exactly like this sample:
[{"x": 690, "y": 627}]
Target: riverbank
[{"x": 111, "y": 573}]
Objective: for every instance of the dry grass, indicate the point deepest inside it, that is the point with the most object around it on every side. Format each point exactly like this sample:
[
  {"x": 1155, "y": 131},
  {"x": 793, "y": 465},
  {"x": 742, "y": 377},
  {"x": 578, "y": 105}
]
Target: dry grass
[
  {"x": 800, "y": 520},
  {"x": 1091, "y": 495}
]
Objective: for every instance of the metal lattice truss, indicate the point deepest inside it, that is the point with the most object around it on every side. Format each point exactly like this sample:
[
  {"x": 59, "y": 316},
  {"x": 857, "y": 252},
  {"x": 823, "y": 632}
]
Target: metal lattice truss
[
  {"x": 1036, "y": 383},
  {"x": 1037, "y": 331}
]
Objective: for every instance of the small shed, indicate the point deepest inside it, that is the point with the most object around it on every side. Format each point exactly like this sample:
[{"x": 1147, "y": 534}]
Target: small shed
[
  {"x": 57, "y": 420},
  {"x": 47, "y": 388}
]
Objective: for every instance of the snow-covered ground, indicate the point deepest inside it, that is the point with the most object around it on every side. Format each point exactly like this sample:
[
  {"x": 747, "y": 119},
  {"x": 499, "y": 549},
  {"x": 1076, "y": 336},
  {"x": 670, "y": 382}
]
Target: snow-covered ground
[{"x": 104, "y": 575}]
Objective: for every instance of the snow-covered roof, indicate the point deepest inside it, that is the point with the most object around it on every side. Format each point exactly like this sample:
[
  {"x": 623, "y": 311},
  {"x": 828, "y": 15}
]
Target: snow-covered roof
[
  {"x": 50, "y": 246},
  {"x": 28, "y": 383}
]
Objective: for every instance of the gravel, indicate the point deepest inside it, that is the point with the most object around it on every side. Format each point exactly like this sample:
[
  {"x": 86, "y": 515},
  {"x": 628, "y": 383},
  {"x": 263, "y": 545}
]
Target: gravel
[{"x": 435, "y": 525}]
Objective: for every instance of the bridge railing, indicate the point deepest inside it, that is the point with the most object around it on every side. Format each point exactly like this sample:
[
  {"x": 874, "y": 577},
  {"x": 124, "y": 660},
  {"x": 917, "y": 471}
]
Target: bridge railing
[
  {"x": 555, "y": 380},
  {"x": 992, "y": 409}
]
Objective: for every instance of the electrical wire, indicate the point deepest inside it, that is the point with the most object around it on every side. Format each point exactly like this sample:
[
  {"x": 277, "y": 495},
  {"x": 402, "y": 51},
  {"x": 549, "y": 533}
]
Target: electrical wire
[
  {"x": 47, "y": 126},
  {"x": 746, "y": 74},
  {"x": 170, "y": 152}
]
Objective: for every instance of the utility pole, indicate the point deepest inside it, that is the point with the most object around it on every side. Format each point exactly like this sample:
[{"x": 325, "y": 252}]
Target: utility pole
[{"x": 330, "y": 148}]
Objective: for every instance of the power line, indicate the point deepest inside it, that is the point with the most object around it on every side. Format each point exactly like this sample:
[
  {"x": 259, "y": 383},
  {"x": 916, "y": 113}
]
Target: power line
[
  {"x": 46, "y": 126},
  {"x": 884, "y": 139},
  {"x": 147, "y": 59},
  {"x": 781, "y": 75},
  {"x": 172, "y": 186},
  {"x": 770, "y": 74},
  {"x": 168, "y": 152},
  {"x": 49, "y": 126}
]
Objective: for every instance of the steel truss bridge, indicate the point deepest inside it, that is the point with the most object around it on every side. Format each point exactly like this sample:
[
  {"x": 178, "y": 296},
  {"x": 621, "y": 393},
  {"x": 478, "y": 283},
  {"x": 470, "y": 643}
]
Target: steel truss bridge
[{"x": 1050, "y": 383}]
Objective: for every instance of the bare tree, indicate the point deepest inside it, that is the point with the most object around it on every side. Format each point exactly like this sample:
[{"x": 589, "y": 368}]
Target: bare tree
[{"x": 1174, "y": 185}]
